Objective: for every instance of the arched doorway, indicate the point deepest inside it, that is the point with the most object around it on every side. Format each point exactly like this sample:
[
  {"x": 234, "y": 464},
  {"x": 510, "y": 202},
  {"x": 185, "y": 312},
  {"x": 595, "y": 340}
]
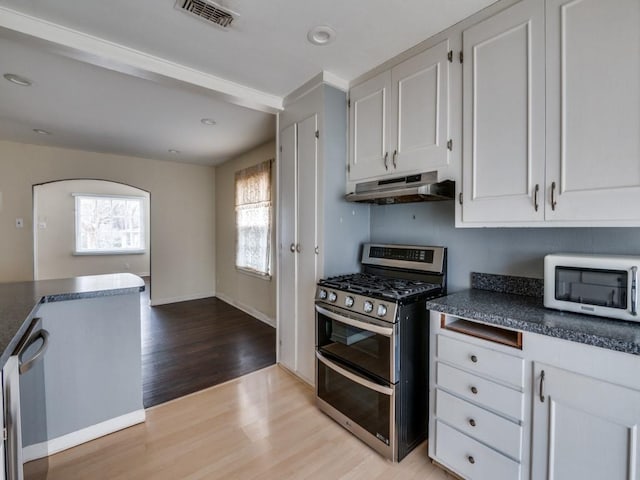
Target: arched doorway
[{"x": 89, "y": 227}]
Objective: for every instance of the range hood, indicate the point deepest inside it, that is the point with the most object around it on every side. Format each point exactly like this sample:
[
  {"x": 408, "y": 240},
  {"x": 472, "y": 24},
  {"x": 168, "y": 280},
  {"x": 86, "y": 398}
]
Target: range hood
[{"x": 422, "y": 187}]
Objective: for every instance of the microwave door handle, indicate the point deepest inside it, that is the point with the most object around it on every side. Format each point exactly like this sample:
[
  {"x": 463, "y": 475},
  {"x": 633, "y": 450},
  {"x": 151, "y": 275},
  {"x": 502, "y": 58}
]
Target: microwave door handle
[
  {"x": 387, "y": 332},
  {"x": 634, "y": 291},
  {"x": 353, "y": 377}
]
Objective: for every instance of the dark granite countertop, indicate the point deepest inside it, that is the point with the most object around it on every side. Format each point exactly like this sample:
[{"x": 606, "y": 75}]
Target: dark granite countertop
[
  {"x": 527, "y": 313},
  {"x": 20, "y": 301}
]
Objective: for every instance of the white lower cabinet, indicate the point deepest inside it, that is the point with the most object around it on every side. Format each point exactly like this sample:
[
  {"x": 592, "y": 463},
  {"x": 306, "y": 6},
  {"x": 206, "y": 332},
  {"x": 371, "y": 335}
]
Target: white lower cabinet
[
  {"x": 584, "y": 427},
  {"x": 473, "y": 459},
  {"x": 476, "y": 404},
  {"x": 553, "y": 409},
  {"x": 479, "y": 423}
]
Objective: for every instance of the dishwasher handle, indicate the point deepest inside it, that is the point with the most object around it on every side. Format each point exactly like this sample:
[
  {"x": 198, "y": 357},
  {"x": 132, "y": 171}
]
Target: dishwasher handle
[{"x": 41, "y": 334}]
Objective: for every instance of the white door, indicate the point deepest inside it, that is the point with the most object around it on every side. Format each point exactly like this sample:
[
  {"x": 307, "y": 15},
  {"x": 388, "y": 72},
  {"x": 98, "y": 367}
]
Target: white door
[
  {"x": 503, "y": 119},
  {"x": 593, "y": 109},
  {"x": 287, "y": 203},
  {"x": 585, "y": 429},
  {"x": 369, "y": 154},
  {"x": 307, "y": 243},
  {"x": 418, "y": 125}
]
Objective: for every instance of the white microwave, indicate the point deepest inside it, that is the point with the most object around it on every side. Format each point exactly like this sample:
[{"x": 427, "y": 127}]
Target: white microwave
[{"x": 603, "y": 285}]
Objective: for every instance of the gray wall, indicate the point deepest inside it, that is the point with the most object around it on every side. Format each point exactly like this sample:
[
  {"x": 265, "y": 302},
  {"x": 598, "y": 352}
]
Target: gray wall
[
  {"x": 345, "y": 224},
  {"x": 511, "y": 251},
  {"x": 93, "y": 367}
]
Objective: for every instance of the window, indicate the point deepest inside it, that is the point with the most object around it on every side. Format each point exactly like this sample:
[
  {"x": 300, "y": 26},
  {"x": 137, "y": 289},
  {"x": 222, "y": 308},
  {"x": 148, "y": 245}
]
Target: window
[
  {"x": 253, "y": 219},
  {"x": 109, "y": 224}
]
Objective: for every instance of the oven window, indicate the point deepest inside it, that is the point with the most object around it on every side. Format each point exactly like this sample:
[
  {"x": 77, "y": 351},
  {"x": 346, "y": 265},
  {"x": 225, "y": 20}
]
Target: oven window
[
  {"x": 606, "y": 288},
  {"x": 371, "y": 410},
  {"x": 363, "y": 350}
]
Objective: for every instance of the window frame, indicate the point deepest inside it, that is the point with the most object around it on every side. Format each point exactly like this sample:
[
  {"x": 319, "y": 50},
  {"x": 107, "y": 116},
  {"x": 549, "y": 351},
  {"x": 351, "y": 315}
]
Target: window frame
[
  {"x": 86, "y": 252},
  {"x": 269, "y": 253}
]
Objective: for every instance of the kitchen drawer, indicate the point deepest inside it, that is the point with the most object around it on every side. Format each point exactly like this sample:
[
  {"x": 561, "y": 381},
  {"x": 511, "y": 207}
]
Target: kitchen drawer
[
  {"x": 501, "y": 366},
  {"x": 472, "y": 459},
  {"x": 479, "y": 390},
  {"x": 491, "y": 429}
]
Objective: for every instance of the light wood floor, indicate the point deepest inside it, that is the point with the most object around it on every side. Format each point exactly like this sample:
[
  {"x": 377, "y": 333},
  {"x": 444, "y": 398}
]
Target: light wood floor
[{"x": 263, "y": 425}]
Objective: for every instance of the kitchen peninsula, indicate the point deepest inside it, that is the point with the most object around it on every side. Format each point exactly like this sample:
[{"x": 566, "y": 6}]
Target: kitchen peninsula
[{"x": 92, "y": 368}]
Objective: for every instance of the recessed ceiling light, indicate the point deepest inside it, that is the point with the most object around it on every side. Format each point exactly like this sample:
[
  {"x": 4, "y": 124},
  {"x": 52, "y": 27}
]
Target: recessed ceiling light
[
  {"x": 41, "y": 132},
  {"x": 175, "y": 152},
  {"x": 208, "y": 121},
  {"x": 321, "y": 35},
  {"x": 17, "y": 79}
]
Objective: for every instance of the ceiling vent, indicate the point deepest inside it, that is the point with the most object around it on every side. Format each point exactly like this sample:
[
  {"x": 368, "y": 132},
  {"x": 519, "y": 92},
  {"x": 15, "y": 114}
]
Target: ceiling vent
[{"x": 207, "y": 10}]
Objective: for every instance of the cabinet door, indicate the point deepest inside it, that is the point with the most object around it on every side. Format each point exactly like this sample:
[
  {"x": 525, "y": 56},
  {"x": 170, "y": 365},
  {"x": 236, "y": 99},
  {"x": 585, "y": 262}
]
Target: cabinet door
[
  {"x": 369, "y": 154},
  {"x": 585, "y": 429},
  {"x": 307, "y": 241},
  {"x": 503, "y": 117},
  {"x": 287, "y": 203},
  {"x": 418, "y": 124},
  {"x": 593, "y": 110}
]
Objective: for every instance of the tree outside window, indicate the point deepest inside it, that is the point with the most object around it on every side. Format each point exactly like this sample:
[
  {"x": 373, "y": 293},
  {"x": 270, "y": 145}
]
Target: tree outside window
[{"x": 109, "y": 224}]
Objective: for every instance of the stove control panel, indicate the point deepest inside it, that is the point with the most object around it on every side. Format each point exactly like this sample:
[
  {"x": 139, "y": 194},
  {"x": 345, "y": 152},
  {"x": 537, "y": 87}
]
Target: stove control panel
[{"x": 357, "y": 303}]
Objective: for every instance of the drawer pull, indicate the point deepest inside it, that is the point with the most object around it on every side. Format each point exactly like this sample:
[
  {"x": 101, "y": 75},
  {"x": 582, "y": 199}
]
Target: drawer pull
[
  {"x": 474, "y": 390},
  {"x": 472, "y": 422},
  {"x": 474, "y": 359},
  {"x": 471, "y": 459}
]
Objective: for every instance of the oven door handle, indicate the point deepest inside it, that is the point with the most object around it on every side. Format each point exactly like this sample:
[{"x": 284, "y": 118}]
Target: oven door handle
[
  {"x": 355, "y": 378},
  {"x": 369, "y": 327}
]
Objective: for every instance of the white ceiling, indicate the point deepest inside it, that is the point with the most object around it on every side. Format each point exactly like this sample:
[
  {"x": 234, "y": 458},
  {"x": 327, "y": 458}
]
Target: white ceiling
[{"x": 260, "y": 59}]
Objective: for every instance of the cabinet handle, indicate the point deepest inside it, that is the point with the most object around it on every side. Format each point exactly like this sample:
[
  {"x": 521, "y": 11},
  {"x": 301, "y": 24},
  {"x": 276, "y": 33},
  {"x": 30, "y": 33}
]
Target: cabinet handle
[
  {"x": 471, "y": 459},
  {"x": 292, "y": 247},
  {"x": 474, "y": 390},
  {"x": 395, "y": 156},
  {"x": 553, "y": 196},
  {"x": 542, "y": 386},
  {"x": 474, "y": 359},
  {"x": 386, "y": 160},
  {"x": 634, "y": 291},
  {"x": 317, "y": 250},
  {"x": 298, "y": 248},
  {"x": 472, "y": 422},
  {"x": 535, "y": 197}
]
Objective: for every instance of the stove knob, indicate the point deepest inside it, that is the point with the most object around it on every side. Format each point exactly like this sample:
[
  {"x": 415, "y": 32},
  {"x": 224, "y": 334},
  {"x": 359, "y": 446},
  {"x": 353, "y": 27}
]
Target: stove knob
[
  {"x": 332, "y": 296},
  {"x": 348, "y": 301},
  {"x": 382, "y": 310},
  {"x": 368, "y": 306},
  {"x": 322, "y": 294}
]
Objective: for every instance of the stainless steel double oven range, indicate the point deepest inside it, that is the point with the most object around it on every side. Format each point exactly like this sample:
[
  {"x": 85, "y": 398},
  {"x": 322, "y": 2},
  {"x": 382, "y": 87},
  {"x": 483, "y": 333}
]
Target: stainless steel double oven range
[{"x": 372, "y": 341}]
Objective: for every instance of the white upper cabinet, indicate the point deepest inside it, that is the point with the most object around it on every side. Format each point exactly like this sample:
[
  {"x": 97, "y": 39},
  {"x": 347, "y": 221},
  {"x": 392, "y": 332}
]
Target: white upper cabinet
[
  {"x": 370, "y": 104},
  {"x": 420, "y": 102},
  {"x": 399, "y": 118},
  {"x": 503, "y": 116},
  {"x": 593, "y": 110},
  {"x": 577, "y": 163}
]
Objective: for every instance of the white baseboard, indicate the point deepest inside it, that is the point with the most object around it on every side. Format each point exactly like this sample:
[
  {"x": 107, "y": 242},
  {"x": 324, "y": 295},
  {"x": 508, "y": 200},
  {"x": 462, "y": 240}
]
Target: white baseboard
[
  {"x": 73, "y": 439},
  {"x": 164, "y": 301},
  {"x": 247, "y": 309}
]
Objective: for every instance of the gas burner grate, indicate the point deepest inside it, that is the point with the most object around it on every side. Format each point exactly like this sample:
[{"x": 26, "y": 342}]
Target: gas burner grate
[{"x": 376, "y": 285}]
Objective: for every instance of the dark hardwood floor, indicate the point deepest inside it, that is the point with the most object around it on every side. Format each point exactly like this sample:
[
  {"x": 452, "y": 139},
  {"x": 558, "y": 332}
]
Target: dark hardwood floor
[{"x": 189, "y": 346}]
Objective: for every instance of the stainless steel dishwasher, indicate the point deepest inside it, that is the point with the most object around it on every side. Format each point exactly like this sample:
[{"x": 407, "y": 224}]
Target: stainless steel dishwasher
[{"x": 24, "y": 366}]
